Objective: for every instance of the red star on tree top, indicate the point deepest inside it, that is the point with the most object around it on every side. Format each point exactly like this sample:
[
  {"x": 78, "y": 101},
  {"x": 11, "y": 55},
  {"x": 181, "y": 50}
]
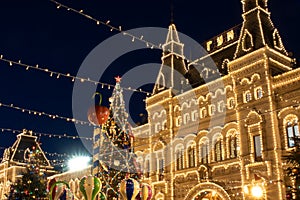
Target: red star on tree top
[{"x": 118, "y": 79}]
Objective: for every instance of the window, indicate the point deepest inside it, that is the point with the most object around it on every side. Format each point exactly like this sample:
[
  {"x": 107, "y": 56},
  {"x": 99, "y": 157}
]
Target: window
[
  {"x": 178, "y": 121},
  {"x": 204, "y": 154},
  {"x": 212, "y": 109},
  {"x": 186, "y": 118},
  {"x": 221, "y": 106},
  {"x": 161, "y": 169},
  {"x": 248, "y": 97},
  {"x": 233, "y": 147},
  {"x": 292, "y": 132},
  {"x": 194, "y": 115},
  {"x": 191, "y": 156},
  {"x": 231, "y": 103},
  {"x": 259, "y": 93},
  {"x": 147, "y": 168},
  {"x": 218, "y": 150},
  {"x": 257, "y": 148},
  {"x": 157, "y": 127},
  {"x": 179, "y": 159},
  {"x": 203, "y": 112}
]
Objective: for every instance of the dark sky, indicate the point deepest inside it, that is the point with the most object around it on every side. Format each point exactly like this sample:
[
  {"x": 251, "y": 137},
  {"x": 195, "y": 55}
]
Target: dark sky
[{"x": 36, "y": 32}]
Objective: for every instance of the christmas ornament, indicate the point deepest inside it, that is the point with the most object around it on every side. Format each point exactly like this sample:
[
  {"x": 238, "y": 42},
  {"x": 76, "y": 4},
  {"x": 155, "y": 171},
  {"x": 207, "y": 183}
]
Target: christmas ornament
[
  {"x": 60, "y": 190},
  {"x": 129, "y": 189},
  {"x": 98, "y": 114},
  {"x": 90, "y": 186},
  {"x": 102, "y": 196}
]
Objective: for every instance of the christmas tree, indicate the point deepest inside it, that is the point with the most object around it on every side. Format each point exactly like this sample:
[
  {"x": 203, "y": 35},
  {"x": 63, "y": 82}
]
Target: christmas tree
[
  {"x": 293, "y": 171},
  {"x": 32, "y": 185},
  {"x": 116, "y": 160}
]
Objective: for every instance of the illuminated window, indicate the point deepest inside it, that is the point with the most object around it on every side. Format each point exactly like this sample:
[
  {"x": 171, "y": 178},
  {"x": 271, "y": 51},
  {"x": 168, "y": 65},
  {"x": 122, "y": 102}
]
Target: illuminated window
[
  {"x": 203, "y": 113},
  {"x": 186, "y": 118},
  {"x": 204, "y": 153},
  {"x": 292, "y": 130},
  {"x": 259, "y": 93},
  {"x": 212, "y": 109},
  {"x": 194, "y": 115},
  {"x": 157, "y": 127},
  {"x": 218, "y": 150},
  {"x": 164, "y": 125},
  {"x": 231, "y": 103},
  {"x": 221, "y": 106},
  {"x": 257, "y": 148},
  {"x": 161, "y": 169},
  {"x": 233, "y": 147},
  {"x": 248, "y": 97},
  {"x": 179, "y": 159},
  {"x": 178, "y": 121},
  {"x": 191, "y": 156}
]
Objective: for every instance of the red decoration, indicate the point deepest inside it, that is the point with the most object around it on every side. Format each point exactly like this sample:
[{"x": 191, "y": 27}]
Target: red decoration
[{"x": 98, "y": 114}]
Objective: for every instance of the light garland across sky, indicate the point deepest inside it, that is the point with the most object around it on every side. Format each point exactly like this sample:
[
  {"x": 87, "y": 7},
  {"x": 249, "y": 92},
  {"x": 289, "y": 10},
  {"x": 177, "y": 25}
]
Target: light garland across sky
[
  {"x": 49, "y": 135},
  {"x": 39, "y": 113},
  {"x": 67, "y": 75},
  {"x": 133, "y": 38}
]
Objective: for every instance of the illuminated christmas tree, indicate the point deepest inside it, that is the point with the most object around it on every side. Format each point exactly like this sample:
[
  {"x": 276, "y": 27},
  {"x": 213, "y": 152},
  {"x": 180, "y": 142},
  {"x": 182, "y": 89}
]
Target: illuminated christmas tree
[
  {"x": 32, "y": 185},
  {"x": 114, "y": 160}
]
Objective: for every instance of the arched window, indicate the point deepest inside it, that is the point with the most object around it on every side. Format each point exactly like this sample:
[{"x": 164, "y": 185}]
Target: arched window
[
  {"x": 212, "y": 109},
  {"x": 178, "y": 121},
  {"x": 157, "y": 127},
  {"x": 204, "y": 152},
  {"x": 221, "y": 106},
  {"x": 292, "y": 130},
  {"x": 179, "y": 159},
  {"x": 233, "y": 146},
  {"x": 231, "y": 103},
  {"x": 259, "y": 93},
  {"x": 191, "y": 156},
  {"x": 218, "y": 150},
  {"x": 186, "y": 118},
  {"x": 161, "y": 169}
]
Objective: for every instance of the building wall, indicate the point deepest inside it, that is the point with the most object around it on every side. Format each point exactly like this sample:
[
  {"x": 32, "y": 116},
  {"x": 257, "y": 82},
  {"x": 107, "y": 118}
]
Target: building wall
[{"x": 242, "y": 118}]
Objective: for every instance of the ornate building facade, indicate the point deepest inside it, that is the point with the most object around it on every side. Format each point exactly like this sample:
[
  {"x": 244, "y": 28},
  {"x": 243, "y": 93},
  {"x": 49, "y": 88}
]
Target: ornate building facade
[
  {"x": 225, "y": 135},
  {"x": 15, "y": 159}
]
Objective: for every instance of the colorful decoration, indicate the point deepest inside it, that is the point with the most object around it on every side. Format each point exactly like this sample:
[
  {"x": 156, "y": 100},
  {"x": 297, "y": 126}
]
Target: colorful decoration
[
  {"x": 60, "y": 190},
  {"x": 52, "y": 182},
  {"x": 129, "y": 189},
  {"x": 98, "y": 115},
  {"x": 146, "y": 192},
  {"x": 90, "y": 186},
  {"x": 102, "y": 196}
]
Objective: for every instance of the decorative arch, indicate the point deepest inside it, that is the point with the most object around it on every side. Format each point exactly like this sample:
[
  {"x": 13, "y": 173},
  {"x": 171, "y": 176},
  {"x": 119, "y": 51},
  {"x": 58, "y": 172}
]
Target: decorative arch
[
  {"x": 160, "y": 196},
  {"x": 209, "y": 187}
]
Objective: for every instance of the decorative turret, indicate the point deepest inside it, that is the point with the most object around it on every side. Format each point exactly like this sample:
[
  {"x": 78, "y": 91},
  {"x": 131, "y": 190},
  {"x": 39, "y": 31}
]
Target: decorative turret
[
  {"x": 258, "y": 30},
  {"x": 173, "y": 69}
]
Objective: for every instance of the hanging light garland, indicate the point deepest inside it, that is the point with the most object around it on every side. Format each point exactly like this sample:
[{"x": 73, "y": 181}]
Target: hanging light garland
[
  {"x": 49, "y": 135},
  {"x": 39, "y": 113},
  {"x": 58, "y": 75}
]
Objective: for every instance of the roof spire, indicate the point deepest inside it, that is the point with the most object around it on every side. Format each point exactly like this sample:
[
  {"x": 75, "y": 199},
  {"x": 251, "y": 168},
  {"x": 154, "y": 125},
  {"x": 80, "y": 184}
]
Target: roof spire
[{"x": 172, "y": 11}]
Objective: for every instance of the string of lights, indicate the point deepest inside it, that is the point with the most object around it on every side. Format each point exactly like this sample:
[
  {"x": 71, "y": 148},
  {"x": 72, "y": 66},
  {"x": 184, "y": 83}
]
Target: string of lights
[
  {"x": 58, "y": 75},
  {"x": 133, "y": 38},
  {"x": 49, "y": 135},
  {"x": 39, "y": 113}
]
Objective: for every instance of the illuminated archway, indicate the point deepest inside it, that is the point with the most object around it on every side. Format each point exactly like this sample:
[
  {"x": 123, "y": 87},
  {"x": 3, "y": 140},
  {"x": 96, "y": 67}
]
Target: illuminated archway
[{"x": 207, "y": 191}]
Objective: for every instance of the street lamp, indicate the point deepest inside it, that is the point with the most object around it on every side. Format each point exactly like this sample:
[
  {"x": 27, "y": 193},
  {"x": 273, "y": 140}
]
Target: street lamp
[
  {"x": 257, "y": 191},
  {"x": 78, "y": 163}
]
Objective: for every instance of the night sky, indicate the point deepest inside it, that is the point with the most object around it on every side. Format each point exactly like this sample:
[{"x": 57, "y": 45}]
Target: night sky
[{"x": 36, "y": 32}]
